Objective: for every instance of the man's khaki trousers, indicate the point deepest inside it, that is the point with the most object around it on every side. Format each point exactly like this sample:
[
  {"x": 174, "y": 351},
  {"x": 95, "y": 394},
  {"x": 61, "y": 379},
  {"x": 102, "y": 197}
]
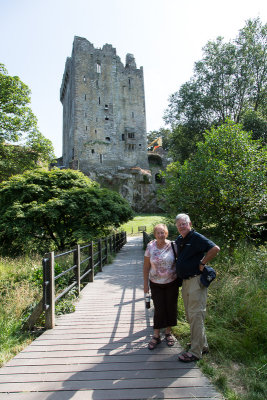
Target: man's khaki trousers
[{"x": 195, "y": 300}]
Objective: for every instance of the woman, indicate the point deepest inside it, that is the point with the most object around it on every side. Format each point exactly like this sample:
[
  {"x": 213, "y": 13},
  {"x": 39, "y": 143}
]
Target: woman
[{"x": 160, "y": 275}]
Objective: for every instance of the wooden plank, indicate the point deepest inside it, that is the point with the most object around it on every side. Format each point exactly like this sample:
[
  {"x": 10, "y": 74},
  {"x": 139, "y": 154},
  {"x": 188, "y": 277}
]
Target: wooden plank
[
  {"x": 104, "y": 383},
  {"x": 100, "y": 395},
  {"x": 96, "y": 375},
  {"x": 46, "y": 368}
]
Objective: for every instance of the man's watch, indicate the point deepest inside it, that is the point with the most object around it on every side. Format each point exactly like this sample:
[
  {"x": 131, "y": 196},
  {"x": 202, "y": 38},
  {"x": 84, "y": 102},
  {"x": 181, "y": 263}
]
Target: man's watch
[{"x": 202, "y": 263}]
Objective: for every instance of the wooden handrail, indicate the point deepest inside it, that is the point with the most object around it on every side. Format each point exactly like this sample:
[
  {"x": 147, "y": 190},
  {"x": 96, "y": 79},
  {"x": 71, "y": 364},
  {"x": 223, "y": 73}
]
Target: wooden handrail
[{"x": 94, "y": 259}]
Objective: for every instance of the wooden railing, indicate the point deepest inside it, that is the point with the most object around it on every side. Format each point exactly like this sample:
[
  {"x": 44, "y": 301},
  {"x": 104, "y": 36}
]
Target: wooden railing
[
  {"x": 146, "y": 239},
  {"x": 96, "y": 256}
]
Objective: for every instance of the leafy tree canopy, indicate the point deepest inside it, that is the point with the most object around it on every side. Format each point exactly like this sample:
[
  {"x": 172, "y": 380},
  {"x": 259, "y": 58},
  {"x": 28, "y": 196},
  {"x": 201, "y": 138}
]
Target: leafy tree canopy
[
  {"x": 228, "y": 81},
  {"x": 45, "y": 210},
  {"x": 224, "y": 184},
  {"x": 22, "y": 146}
]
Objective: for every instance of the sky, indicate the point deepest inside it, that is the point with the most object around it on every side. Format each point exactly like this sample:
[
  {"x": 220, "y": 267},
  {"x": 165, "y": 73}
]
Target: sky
[{"x": 165, "y": 36}]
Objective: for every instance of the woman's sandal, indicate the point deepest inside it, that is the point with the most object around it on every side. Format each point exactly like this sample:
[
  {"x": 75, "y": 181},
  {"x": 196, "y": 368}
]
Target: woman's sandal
[
  {"x": 154, "y": 342},
  {"x": 169, "y": 339},
  {"x": 187, "y": 357}
]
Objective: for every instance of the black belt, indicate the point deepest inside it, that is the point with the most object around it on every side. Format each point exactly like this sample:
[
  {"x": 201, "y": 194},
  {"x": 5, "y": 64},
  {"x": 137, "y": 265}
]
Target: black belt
[{"x": 192, "y": 276}]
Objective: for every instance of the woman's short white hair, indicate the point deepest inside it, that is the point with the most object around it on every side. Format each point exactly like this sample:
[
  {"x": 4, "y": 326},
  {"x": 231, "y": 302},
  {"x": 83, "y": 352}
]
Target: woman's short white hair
[{"x": 184, "y": 217}]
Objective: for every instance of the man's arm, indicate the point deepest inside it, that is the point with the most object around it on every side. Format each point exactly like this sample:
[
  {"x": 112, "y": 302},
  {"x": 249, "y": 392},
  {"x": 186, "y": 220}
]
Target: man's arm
[{"x": 209, "y": 256}]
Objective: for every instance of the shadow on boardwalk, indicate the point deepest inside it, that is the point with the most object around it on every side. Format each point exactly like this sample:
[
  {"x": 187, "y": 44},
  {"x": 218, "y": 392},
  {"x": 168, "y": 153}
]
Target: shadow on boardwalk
[{"x": 100, "y": 351}]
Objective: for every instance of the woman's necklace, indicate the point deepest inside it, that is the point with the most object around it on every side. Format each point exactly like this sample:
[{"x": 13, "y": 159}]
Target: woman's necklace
[{"x": 160, "y": 246}]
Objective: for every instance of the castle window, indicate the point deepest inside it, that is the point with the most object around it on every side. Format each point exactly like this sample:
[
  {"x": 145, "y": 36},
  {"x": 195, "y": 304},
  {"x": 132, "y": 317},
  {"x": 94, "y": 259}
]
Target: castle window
[
  {"x": 131, "y": 147},
  {"x": 98, "y": 100},
  {"x": 95, "y": 131},
  {"x": 86, "y": 128},
  {"x": 101, "y": 158},
  {"x": 140, "y": 145},
  {"x": 84, "y": 79},
  {"x": 123, "y": 137},
  {"x": 106, "y": 118},
  {"x": 129, "y": 82},
  {"x": 97, "y": 84},
  {"x": 96, "y": 119},
  {"x": 131, "y": 135},
  {"x": 106, "y": 106},
  {"x": 132, "y": 114},
  {"x": 108, "y": 139},
  {"x": 72, "y": 153},
  {"x": 85, "y": 97},
  {"x": 98, "y": 67},
  {"x": 92, "y": 151}
]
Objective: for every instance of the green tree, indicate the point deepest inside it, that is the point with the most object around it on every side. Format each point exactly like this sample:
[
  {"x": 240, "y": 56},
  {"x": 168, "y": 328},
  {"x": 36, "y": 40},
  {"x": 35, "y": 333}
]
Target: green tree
[
  {"x": 42, "y": 210},
  {"x": 223, "y": 184},
  {"x": 228, "y": 81},
  {"x": 22, "y": 146},
  {"x": 255, "y": 122}
]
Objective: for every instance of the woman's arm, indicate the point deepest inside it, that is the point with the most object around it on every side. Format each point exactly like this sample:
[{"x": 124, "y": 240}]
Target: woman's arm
[{"x": 146, "y": 273}]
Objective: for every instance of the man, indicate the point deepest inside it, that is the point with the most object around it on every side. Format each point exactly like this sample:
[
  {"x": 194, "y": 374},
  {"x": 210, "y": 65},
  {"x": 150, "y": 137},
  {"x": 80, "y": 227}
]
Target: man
[{"x": 194, "y": 251}]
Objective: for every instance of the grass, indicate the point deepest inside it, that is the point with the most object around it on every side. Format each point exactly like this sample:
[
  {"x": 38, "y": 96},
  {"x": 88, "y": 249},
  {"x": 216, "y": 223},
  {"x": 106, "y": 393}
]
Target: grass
[
  {"x": 147, "y": 220},
  {"x": 17, "y": 295}
]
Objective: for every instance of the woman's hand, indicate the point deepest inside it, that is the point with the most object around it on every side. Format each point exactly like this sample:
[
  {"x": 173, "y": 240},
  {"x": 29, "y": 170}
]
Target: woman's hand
[{"x": 146, "y": 288}]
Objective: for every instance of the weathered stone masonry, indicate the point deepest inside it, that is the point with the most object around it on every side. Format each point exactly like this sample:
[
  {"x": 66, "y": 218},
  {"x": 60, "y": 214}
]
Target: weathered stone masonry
[{"x": 104, "y": 121}]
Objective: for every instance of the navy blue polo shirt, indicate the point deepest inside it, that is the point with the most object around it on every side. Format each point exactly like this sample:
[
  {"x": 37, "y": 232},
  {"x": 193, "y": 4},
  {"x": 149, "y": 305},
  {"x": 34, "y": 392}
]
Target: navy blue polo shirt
[{"x": 191, "y": 250}]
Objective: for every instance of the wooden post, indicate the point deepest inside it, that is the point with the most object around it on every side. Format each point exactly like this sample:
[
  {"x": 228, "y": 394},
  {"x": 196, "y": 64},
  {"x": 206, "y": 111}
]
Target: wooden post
[
  {"x": 110, "y": 245},
  {"x": 106, "y": 244},
  {"x": 77, "y": 262},
  {"x": 100, "y": 254},
  {"x": 91, "y": 262},
  {"x": 114, "y": 243},
  {"x": 50, "y": 312}
]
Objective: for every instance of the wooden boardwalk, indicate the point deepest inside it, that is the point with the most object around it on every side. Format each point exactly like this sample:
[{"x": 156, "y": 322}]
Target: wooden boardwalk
[{"x": 100, "y": 351}]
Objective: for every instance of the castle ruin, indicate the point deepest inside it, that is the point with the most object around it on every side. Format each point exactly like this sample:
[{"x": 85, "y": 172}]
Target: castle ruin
[{"x": 104, "y": 121}]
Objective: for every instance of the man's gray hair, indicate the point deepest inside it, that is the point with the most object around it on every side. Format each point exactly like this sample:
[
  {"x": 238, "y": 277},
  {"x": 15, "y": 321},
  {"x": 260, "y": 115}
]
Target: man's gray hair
[{"x": 182, "y": 216}]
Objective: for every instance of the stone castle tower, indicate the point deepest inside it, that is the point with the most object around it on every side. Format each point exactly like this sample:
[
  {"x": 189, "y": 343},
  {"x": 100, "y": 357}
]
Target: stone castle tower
[{"x": 104, "y": 121}]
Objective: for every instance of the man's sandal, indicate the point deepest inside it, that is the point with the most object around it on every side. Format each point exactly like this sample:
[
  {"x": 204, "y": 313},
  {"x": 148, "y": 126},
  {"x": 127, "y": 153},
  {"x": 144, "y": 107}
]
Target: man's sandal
[
  {"x": 204, "y": 351},
  {"x": 154, "y": 342},
  {"x": 187, "y": 357},
  {"x": 169, "y": 339}
]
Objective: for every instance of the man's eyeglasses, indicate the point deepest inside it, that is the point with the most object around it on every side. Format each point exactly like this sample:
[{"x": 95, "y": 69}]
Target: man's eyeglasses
[{"x": 182, "y": 224}]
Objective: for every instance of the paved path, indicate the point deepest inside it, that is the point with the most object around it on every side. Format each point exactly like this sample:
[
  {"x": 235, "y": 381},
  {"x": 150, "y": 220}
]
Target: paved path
[{"x": 100, "y": 351}]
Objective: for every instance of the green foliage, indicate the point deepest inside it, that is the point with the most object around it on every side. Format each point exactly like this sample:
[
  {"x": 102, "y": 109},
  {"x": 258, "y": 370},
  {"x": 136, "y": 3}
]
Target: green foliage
[
  {"x": 223, "y": 185},
  {"x": 183, "y": 142},
  {"x": 228, "y": 81},
  {"x": 46, "y": 210},
  {"x": 22, "y": 146},
  {"x": 255, "y": 122},
  {"x": 66, "y": 306}
]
